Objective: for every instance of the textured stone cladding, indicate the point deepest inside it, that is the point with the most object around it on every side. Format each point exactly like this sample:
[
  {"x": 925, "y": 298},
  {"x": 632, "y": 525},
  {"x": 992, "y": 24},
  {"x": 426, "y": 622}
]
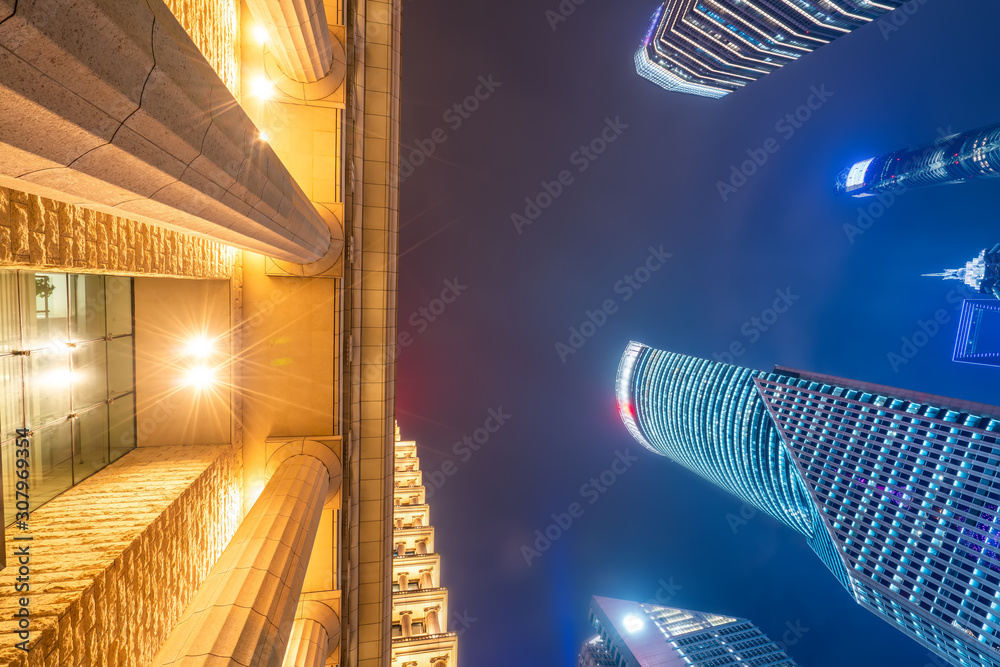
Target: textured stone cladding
[
  {"x": 214, "y": 25},
  {"x": 115, "y": 559},
  {"x": 41, "y": 233}
]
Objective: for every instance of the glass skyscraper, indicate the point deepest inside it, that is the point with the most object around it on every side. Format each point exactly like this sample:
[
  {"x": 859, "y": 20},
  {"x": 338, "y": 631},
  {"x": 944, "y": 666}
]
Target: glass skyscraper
[
  {"x": 713, "y": 47},
  {"x": 896, "y": 491},
  {"x": 631, "y": 634},
  {"x": 974, "y": 154},
  {"x": 981, "y": 273}
]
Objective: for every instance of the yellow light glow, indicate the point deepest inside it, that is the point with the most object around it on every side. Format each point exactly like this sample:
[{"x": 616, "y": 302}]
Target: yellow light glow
[
  {"x": 200, "y": 347},
  {"x": 200, "y": 377},
  {"x": 263, "y": 136},
  {"x": 262, "y": 87},
  {"x": 260, "y": 34}
]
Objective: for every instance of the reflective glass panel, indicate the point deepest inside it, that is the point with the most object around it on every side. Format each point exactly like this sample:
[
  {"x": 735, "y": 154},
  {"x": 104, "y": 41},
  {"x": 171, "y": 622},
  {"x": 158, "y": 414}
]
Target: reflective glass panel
[
  {"x": 51, "y": 462},
  {"x": 121, "y": 367},
  {"x": 91, "y": 442},
  {"x": 121, "y": 426},
  {"x": 118, "y": 304},
  {"x": 86, "y": 307},
  {"x": 12, "y": 398},
  {"x": 44, "y": 310},
  {"x": 90, "y": 374},
  {"x": 47, "y": 386},
  {"x": 10, "y": 319}
]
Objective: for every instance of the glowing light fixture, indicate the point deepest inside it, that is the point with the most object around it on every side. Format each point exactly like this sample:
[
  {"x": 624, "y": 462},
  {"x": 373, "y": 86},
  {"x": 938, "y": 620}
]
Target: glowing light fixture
[
  {"x": 633, "y": 624},
  {"x": 260, "y": 34},
  {"x": 200, "y": 347},
  {"x": 263, "y": 136},
  {"x": 200, "y": 377},
  {"x": 262, "y": 87}
]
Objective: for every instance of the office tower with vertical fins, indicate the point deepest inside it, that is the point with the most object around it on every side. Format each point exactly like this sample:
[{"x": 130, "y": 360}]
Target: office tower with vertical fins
[{"x": 896, "y": 491}]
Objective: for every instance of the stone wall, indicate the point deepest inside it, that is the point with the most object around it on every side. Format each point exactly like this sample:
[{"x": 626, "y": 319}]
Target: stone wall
[
  {"x": 115, "y": 559},
  {"x": 41, "y": 233}
]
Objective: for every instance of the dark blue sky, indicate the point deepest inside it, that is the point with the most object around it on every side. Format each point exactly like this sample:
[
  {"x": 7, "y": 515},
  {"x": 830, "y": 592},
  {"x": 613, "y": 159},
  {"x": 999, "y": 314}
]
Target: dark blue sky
[{"x": 495, "y": 345}]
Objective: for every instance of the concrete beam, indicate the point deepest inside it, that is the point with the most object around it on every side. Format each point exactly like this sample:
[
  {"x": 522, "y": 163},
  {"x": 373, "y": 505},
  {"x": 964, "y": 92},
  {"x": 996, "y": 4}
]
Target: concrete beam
[
  {"x": 298, "y": 36},
  {"x": 110, "y": 105}
]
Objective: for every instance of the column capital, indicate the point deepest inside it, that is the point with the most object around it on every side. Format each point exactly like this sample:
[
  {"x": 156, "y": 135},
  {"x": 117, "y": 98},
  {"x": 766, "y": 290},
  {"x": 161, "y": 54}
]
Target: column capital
[{"x": 325, "y": 448}]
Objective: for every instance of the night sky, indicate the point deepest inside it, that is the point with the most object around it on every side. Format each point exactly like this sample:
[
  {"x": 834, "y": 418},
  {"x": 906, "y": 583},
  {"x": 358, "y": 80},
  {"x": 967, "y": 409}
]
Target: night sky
[{"x": 516, "y": 293}]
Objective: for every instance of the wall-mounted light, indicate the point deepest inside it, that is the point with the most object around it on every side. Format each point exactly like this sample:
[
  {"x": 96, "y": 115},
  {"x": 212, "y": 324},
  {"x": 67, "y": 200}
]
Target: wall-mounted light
[
  {"x": 633, "y": 624},
  {"x": 200, "y": 377},
  {"x": 260, "y": 33},
  {"x": 262, "y": 88},
  {"x": 200, "y": 347}
]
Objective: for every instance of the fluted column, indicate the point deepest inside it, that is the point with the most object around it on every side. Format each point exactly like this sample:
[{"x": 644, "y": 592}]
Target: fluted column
[
  {"x": 315, "y": 633},
  {"x": 110, "y": 105},
  {"x": 298, "y": 35},
  {"x": 244, "y": 610}
]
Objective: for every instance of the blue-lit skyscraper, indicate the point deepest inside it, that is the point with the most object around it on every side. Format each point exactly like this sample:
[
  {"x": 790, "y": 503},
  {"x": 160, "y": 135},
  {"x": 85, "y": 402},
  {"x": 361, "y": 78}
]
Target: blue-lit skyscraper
[
  {"x": 713, "y": 47},
  {"x": 896, "y": 491},
  {"x": 631, "y": 634},
  {"x": 981, "y": 273},
  {"x": 960, "y": 157}
]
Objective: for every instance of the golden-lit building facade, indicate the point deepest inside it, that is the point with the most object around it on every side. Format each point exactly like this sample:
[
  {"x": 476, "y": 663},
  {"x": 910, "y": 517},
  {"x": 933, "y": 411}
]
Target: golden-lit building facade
[
  {"x": 198, "y": 245},
  {"x": 420, "y": 634}
]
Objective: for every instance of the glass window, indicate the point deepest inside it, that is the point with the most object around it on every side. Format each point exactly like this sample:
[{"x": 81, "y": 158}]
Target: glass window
[{"x": 67, "y": 362}]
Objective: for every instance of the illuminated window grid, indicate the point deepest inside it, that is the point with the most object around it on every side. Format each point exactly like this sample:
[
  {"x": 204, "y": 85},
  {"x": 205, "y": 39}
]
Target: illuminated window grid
[{"x": 884, "y": 472}]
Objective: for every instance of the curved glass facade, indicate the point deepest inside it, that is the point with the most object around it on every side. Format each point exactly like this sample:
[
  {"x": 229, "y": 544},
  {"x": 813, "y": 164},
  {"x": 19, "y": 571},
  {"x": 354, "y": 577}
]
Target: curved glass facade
[
  {"x": 709, "y": 417},
  {"x": 712, "y": 48}
]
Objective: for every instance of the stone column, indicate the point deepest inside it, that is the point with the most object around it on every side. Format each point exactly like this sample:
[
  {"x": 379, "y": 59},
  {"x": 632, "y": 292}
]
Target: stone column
[
  {"x": 110, "y": 105},
  {"x": 422, "y": 547},
  {"x": 400, "y": 548},
  {"x": 298, "y": 36},
  {"x": 403, "y": 581},
  {"x": 425, "y": 579},
  {"x": 315, "y": 633},
  {"x": 432, "y": 621},
  {"x": 417, "y": 522},
  {"x": 405, "y": 621},
  {"x": 243, "y": 612}
]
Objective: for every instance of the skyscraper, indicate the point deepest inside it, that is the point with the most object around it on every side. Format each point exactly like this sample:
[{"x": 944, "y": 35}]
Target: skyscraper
[
  {"x": 974, "y": 154},
  {"x": 632, "y": 634},
  {"x": 981, "y": 273},
  {"x": 420, "y": 633},
  {"x": 713, "y": 48},
  {"x": 978, "y": 338},
  {"x": 893, "y": 489}
]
